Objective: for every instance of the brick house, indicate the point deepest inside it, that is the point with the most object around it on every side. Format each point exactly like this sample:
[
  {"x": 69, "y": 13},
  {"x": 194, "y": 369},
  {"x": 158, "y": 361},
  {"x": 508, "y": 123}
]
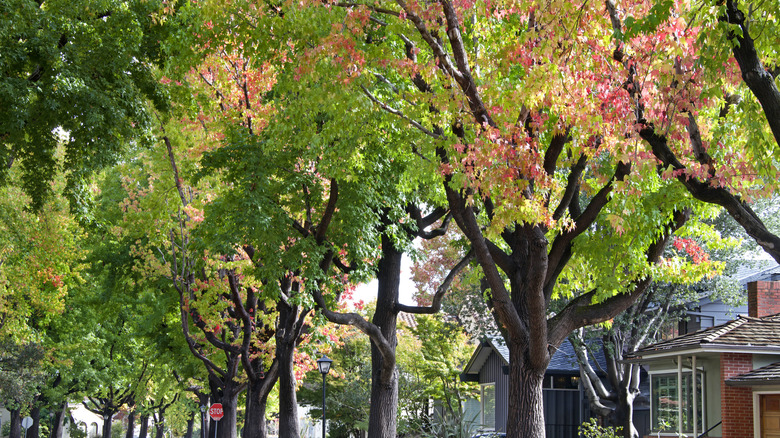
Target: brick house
[{"x": 723, "y": 381}]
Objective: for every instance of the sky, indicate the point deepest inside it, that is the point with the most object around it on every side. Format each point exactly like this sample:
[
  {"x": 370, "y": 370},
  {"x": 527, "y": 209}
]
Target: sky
[{"x": 367, "y": 291}]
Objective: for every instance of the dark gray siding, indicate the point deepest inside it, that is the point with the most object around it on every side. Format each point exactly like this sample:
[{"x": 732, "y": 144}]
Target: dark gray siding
[
  {"x": 562, "y": 412},
  {"x": 561, "y": 407},
  {"x": 493, "y": 372}
]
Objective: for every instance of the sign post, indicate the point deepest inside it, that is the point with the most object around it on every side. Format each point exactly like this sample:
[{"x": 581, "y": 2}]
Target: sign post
[
  {"x": 26, "y": 423},
  {"x": 216, "y": 413}
]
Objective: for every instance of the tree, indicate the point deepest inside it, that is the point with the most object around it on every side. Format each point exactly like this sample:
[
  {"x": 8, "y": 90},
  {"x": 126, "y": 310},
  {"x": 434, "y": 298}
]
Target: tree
[
  {"x": 21, "y": 376},
  {"x": 39, "y": 262},
  {"x": 429, "y": 393},
  {"x": 545, "y": 177},
  {"x": 297, "y": 194},
  {"x": 80, "y": 69},
  {"x": 657, "y": 313},
  {"x": 725, "y": 156},
  {"x": 636, "y": 326}
]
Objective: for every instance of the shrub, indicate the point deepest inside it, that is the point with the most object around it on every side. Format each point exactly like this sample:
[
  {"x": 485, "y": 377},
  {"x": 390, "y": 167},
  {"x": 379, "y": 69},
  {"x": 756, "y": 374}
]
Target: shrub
[{"x": 590, "y": 429}]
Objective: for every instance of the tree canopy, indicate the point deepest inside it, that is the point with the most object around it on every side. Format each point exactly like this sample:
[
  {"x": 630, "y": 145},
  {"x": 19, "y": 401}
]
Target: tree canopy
[{"x": 258, "y": 159}]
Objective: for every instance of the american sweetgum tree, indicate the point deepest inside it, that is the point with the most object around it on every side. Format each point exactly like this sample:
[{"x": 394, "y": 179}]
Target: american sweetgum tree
[
  {"x": 530, "y": 115},
  {"x": 545, "y": 126},
  {"x": 323, "y": 203}
]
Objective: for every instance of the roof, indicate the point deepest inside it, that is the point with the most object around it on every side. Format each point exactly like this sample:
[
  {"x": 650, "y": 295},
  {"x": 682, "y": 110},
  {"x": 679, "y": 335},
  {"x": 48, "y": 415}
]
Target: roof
[
  {"x": 767, "y": 375},
  {"x": 564, "y": 361},
  {"x": 408, "y": 319},
  {"x": 745, "y": 333},
  {"x": 757, "y": 270}
]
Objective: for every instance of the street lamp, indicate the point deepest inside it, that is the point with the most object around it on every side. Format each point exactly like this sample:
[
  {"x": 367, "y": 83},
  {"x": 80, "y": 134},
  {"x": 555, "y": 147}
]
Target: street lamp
[
  {"x": 203, "y": 421},
  {"x": 324, "y": 365}
]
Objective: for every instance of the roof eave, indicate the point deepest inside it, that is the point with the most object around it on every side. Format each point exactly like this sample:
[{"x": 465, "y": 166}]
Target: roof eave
[
  {"x": 749, "y": 383},
  {"x": 703, "y": 349}
]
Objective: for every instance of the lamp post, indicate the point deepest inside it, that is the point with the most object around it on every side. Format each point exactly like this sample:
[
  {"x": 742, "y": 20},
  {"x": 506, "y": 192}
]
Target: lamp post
[
  {"x": 324, "y": 365},
  {"x": 203, "y": 421}
]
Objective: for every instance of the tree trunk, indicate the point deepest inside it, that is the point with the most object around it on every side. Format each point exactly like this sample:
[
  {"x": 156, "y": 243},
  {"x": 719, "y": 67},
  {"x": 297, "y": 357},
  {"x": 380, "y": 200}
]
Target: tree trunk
[
  {"x": 382, "y": 421},
  {"x": 205, "y": 421},
  {"x": 34, "y": 430},
  {"x": 16, "y": 424},
  {"x": 285, "y": 349},
  {"x": 624, "y": 412},
  {"x": 256, "y": 402},
  {"x": 57, "y": 429},
  {"x": 144, "y": 426},
  {"x": 525, "y": 416},
  {"x": 130, "y": 423},
  {"x": 382, "y": 417},
  {"x": 107, "y": 425},
  {"x": 226, "y": 427},
  {"x": 159, "y": 428},
  {"x": 190, "y": 426}
]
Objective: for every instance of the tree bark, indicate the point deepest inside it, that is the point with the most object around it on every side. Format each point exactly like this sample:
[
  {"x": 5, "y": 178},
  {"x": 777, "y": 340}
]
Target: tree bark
[
  {"x": 130, "y": 423},
  {"x": 143, "y": 433},
  {"x": 34, "y": 430},
  {"x": 190, "y": 426},
  {"x": 159, "y": 427},
  {"x": 107, "y": 424},
  {"x": 256, "y": 403},
  {"x": 525, "y": 414},
  {"x": 285, "y": 349},
  {"x": 226, "y": 427},
  {"x": 57, "y": 429},
  {"x": 624, "y": 412},
  {"x": 16, "y": 423},
  {"x": 382, "y": 417}
]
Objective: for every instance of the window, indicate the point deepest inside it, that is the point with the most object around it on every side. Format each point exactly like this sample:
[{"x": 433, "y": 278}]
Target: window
[
  {"x": 488, "y": 399},
  {"x": 665, "y": 403},
  {"x": 561, "y": 382}
]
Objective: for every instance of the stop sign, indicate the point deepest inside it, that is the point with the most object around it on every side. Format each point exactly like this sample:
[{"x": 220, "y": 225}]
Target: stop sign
[{"x": 215, "y": 411}]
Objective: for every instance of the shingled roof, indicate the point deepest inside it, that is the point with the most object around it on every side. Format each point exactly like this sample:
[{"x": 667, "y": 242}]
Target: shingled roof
[
  {"x": 563, "y": 361},
  {"x": 767, "y": 375},
  {"x": 746, "y": 333}
]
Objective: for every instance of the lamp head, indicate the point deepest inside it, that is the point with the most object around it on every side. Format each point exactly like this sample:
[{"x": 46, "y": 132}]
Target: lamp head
[{"x": 324, "y": 364}]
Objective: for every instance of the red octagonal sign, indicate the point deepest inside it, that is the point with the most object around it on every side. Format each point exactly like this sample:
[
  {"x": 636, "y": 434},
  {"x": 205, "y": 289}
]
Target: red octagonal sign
[{"x": 215, "y": 411}]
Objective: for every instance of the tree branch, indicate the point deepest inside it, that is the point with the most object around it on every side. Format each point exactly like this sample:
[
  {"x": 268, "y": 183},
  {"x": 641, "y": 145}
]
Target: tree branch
[
  {"x": 400, "y": 114},
  {"x": 327, "y": 216},
  {"x": 502, "y": 303},
  {"x": 440, "y": 291},
  {"x": 755, "y": 75},
  {"x": 572, "y": 187},
  {"x": 703, "y": 191},
  {"x": 582, "y": 310},
  {"x": 584, "y": 221}
]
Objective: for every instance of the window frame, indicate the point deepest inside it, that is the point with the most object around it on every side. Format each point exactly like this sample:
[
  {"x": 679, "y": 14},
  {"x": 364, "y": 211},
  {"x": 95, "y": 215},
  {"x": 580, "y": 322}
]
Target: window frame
[
  {"x": 687, "y": 376},
  {"x": 483, "y": 423}
]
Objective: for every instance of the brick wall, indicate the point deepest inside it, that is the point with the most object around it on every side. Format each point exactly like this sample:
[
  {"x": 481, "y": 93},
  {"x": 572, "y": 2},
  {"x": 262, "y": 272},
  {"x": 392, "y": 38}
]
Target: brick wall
[
  {"x": 736, "y": 403},
  {"x": 763, "y": 298}
]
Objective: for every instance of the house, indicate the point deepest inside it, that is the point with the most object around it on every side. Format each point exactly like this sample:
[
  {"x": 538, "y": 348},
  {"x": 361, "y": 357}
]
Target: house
[
  {"x": 708, "y": 312},
  {"x": 88, "y": 422},
  {"x": 722, "y": 381},
  {"x": 565, "y": 405}
]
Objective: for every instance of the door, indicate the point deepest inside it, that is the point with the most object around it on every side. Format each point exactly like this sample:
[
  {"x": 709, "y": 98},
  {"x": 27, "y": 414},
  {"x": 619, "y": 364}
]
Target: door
[{"x": 770, "y": 416}]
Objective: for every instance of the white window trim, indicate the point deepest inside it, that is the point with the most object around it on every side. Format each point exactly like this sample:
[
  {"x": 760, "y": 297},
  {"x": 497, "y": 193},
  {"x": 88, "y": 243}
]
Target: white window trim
[
  {"x": 757, "y": 407},
  {"x": 482, "y": 387},
  {"x": 702, "y": 397}
]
